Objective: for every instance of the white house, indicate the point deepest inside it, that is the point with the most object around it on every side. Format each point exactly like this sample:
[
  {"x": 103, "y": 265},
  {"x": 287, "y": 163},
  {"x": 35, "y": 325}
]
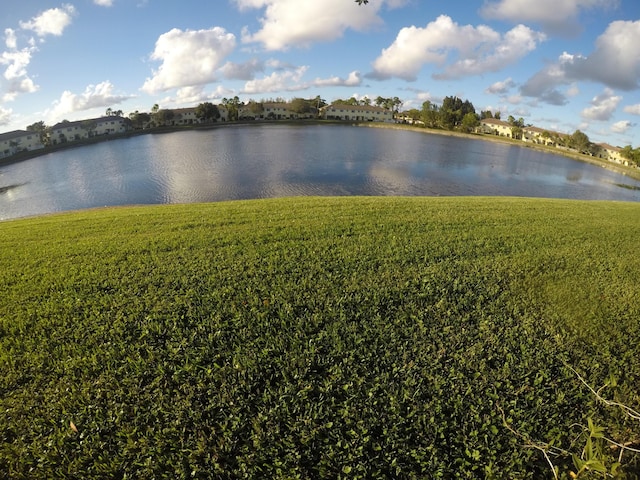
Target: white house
[
  {"x": 613, "y": 154},
  {"x": 537, "y": 135},
  {"x": 184, "y": 116},
  {"x": 357, "y": 113},
  {"x": 110, "y": 125},
  {"x": 19, "y": 141},
  {"x": 496, "y": 127},
  {"x": 79, "y": 130}
]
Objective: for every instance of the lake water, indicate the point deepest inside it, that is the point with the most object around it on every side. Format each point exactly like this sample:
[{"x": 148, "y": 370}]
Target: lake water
[{"x": 260, "y": 161}]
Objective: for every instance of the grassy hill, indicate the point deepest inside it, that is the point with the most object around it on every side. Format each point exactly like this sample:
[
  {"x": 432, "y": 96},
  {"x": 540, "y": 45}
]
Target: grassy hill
[{"x": 321, "y": 338}]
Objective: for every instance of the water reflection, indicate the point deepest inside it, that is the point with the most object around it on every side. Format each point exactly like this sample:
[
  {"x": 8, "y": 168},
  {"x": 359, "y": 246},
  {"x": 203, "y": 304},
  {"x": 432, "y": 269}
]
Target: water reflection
[{"x": 276, "y": 160}]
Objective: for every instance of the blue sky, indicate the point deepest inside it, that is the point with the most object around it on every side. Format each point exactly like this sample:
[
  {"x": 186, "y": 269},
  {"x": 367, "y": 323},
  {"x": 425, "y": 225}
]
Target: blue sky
[{"x": 560, "y": 64}]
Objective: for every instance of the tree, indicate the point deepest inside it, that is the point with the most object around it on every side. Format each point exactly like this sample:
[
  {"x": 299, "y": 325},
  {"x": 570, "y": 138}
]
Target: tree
[
  {"x": 631, "y": 154},
  {"x": 430, "y": 114},
  {"x": 414, "y": 114},
  {"x": 207, "y": 112},
  {"x": 453, "y": 111},
  {"x": 319, "y": 102},
  {"x": 41, "y": 129},
  {"x": 360, "y": 2},
  {"x": 162, "y": 117},
  {"x": 579, "y": 141},
  {"x": 470, "y": 121},
  {"x": 139, "y": 120},
  {"x": 516, "y": 132},
  {"x": 233, "y": 107},
  {"x": 299, "y": 105}
]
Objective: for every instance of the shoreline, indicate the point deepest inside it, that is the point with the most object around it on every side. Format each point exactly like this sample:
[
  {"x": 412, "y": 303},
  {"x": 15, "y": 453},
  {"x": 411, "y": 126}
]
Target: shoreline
[
  {"x": 617, "y": 168},
  {"x": 630, "y": 172}
]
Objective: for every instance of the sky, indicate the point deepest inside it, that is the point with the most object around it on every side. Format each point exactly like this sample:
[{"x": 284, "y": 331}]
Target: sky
[{"x": 561, "y": 65}]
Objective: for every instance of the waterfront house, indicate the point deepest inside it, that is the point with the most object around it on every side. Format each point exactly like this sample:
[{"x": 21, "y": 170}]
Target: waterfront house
[
  {"x": 19, "y": 141},
  {"x": 537, "y": 135},
  {"x": 66, "y": 131},
  {"x": 184, "y": 116},
  {"x": 356, "y": 113},
  {"x": 495, "y": 126},
  {"x": 611, "y": 153}
]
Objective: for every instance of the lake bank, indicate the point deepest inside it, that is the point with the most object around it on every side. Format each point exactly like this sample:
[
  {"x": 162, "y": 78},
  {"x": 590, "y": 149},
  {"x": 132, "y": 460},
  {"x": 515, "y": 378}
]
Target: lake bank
[
  {"x": 628, "y": 171},
  {"x": 631, "y": 172}
]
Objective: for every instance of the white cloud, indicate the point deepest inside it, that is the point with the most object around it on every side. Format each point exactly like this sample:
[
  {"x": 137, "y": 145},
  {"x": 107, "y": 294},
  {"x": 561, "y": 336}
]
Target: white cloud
[
  {"x": 104, "y": 3},
  {"x": 242, "y": 71},
  {"x": 622, "y": 126},
  {"x": 479, "y": 49},
  {"x": 353, "y": 80},
  {"x": 10, "y": 39},
  {"x": 615, "y": 61},
  {"x": 500, "y": 88},
  {"x": 51, "y": 22},
  {"x": 5, "y": 115},
  {"x": 188, "y": 58},
  {"x": 278, "y": 82},
  {"x": 603, "y": 106},
  {"x": 94, "y": 96},
  {"x": 17, "y": 62},
  {"x": 299, "y": 23},
  {"x": 633, "y": 109},
  {"x": 555, "y": 16},
  {"x": 15, "y": 74}
]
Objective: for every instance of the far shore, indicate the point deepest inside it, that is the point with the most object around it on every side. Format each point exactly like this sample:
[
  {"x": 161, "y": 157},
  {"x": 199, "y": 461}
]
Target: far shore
[{"x": 631, "y": 172}]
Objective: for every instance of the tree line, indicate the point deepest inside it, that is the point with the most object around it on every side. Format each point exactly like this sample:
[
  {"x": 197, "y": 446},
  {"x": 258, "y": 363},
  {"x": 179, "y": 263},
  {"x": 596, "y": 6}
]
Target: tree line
[{"x": 453, "y": 114}]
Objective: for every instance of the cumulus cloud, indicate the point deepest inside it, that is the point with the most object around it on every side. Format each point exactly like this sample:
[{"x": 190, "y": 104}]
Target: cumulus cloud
[
  {"x": 622, "y": 126},
  {"x": 51, "y": 22},
  {"x": 555, "y": 16},
  {"x": 353, "y": 80},
  {"x": 633, "y": 109},
  {"x": 615, "y": 63},
  {"x": 602, "y": 106},
  {"x": 299, "y": 23},
  {"x": 479, "y": 49},
  {"x": 290, "y": 80},
  {"x": 104, "y": 3},
  {"x": 544, "y": 85},
  {"x": 500, "y": 88},
  {"x": 94, "y": 96},
  {"x": 17, "y": 80},
  {"x": 188, "y": 58},
  {"x": 242, "y": 71}
]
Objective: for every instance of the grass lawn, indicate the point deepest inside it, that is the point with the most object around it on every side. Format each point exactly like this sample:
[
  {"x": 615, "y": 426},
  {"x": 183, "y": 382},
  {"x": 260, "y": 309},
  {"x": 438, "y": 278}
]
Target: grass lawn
[{"x": 321, "y": 338}]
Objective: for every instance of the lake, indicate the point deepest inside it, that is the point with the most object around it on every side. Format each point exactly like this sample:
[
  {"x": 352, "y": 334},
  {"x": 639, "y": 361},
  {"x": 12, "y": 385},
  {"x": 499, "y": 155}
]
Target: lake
[{"x": 271, "y": 160}]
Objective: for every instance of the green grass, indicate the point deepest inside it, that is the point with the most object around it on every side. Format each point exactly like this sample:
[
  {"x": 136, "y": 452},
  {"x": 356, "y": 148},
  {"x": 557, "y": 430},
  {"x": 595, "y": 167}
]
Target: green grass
[{"x": 318, "y": 338}]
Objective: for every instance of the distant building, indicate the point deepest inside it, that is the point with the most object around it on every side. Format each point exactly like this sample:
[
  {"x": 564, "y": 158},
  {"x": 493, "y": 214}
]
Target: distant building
[
  {"x": 496, "y": 127},
  {"x": 537, "y": 135},
  {"x": 613, "y": 154},
  {"x": 82, "y": 129},
  {"x": 356, "y": 113},
  {"x": 19, "y": 141},
  {"x": 184, "y": 116}
]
